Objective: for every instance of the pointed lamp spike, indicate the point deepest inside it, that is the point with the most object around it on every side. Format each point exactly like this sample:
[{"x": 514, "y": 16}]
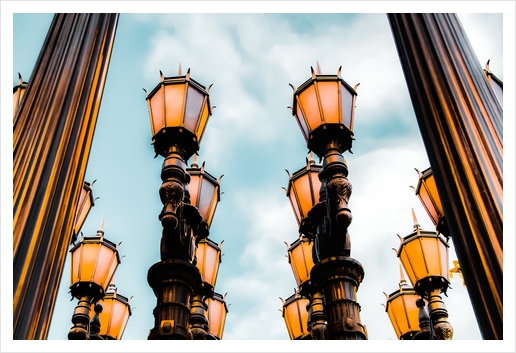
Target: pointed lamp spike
[
  {"x": 194, "y": 162},
  {"x": 161, "y": 76},
  {"x": 313, "y": 72},
  {"x": 179, "y": 70},
  {"x": 318, "y": 68},
  {"x": 418, "y": 173},
  {"x": 356, "y": 86},
  {"x": 293, "y": 87},
  {"x": 403, "y": 281},
  {"x": 487, "y": 65},
  {"x": 386, "y": 295},
  {"x": 311, "y": 156},
  {"x": 416, "y": 224},
  {"x": 339, "y": 70},
  {"x": 188, "y": 74},
  {"x": 20, "y": 80},
  {"x": 100, "y": 231}
]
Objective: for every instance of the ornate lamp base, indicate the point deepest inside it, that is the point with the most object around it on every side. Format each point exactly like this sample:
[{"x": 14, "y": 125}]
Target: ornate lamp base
[
  {"x": 338, "y": 278},
  {"x": 173, "y": 282}
]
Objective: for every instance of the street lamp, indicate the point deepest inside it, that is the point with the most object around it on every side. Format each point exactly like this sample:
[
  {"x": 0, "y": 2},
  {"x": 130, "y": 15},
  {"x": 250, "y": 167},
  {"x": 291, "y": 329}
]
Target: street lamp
[
  {"x": 324, "y": 108},
  {"x": 216, "y": 315},
  {"x": 93, "y": 263},
  {"x": 424, "y": 257},
  {"x": 402, "y": 310},
  {"x": 179, "y": 109},
  {"x": 295, "y": 314},
  {"x": 115, "y": 314},
  {"x": 86, "y": 202}
]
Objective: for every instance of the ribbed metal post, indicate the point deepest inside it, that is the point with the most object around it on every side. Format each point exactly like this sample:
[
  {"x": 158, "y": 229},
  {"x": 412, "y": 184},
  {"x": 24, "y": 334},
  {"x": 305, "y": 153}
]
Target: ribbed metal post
[
  {"x": 52, "y": 137},
  {"x": 460, "y": 120}
]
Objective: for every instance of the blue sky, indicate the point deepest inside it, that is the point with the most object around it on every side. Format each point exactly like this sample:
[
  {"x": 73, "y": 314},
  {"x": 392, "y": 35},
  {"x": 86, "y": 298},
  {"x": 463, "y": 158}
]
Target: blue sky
[{"x": 251, "y": 56}]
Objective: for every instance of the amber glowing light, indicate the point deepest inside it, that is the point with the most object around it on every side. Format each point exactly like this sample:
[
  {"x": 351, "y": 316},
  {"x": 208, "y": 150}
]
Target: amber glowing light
[{"x": 295, "y": 315}]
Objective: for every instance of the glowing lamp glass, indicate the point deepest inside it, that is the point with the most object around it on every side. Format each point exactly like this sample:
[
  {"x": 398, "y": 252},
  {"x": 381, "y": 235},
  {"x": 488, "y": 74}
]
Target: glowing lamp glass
[
  {"x": 216, "y": 314},
  {"x": 295, "y": 315}
]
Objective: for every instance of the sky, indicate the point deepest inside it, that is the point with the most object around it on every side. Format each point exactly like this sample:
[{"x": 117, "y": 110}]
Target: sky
[{"x": 250, "y": 54}]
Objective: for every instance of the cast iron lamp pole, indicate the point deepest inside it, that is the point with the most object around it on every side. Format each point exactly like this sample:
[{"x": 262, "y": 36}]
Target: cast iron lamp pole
[
  {"x": 179, "y": 108},
  {"x": 324, "y": 109}
]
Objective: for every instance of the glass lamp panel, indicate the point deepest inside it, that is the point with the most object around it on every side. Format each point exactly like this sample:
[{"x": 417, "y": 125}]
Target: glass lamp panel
[
  {"x": 347, "y": 106},
  {"x": 310, "y": 107},
  {"x": 174, "y": 104},
  {"x": 295, "y": 206},
  {"x": 88, "y": 261},
  {"x": 302, "y": 121},
  {"x": 207, "y": 199},
  {"x": 114, "y": 317},
  {"x": 435, "y": 254},
  {"x": 403, "y": 313},
  {"x": 416, "y": 259},
  {"x": 425, "y": 199},
  {"x": 296, "y": 316},
  {"x": 208, "y": 261},
  {"x": 216, "y": 315},
  {"x": 300, "y": 258},
  {"x": 105, "y": 266},
  {"x": 75, "y": 266},
  {"x": 194, "y": 105},
  {"x": 157, "y": 115},
  {"x": 83, "y": 208},
  {"x": 406, "y": 262},
  {"x": 204, "y": 120},
  {"x": 193, "y": 188},
  {"x": 329, "y": 95},
  {"x": 305, "y": 193}
]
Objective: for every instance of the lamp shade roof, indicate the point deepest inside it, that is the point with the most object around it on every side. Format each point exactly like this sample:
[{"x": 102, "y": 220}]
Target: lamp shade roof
[
  {"x": 216, "y": 314},
  {"x": 303, "y": 189},
  {"x": 295, "y": 314}
]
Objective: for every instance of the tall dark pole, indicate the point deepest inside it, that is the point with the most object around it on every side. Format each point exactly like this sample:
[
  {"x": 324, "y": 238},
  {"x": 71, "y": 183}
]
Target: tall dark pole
[
  {"x": 460, "y": 121},
  {"x": 52, "y": 138}
]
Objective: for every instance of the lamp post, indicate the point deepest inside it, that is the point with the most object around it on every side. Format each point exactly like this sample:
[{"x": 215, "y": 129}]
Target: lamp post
[
  {"x": 93, "y": 263},
  {"x": 324, "y": 108},
  {"x": 424, "y": 256},
  {"x": 179, "y": 109}
]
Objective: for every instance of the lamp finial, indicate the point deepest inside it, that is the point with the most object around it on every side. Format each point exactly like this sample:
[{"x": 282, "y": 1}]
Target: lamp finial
[
  {"x": 100, "y": 231},
  {"x": 416, "y": 225},
  {"x": 403, "y": 281}
]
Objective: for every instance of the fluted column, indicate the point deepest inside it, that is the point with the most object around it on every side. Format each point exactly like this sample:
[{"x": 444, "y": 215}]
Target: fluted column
[
  {"x": 52, "y": 137},
  {"x": 460, "y": 120}
]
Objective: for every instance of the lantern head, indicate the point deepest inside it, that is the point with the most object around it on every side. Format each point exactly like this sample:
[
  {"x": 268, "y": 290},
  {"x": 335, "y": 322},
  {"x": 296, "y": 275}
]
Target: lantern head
[
  {"x": 179, "y": 108},
  {"x": 295, "y": 314},
  {"x": 93, "y": 263},
  {"x": 324, "y": 107},
  {"x": 303, "y": 189}
]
